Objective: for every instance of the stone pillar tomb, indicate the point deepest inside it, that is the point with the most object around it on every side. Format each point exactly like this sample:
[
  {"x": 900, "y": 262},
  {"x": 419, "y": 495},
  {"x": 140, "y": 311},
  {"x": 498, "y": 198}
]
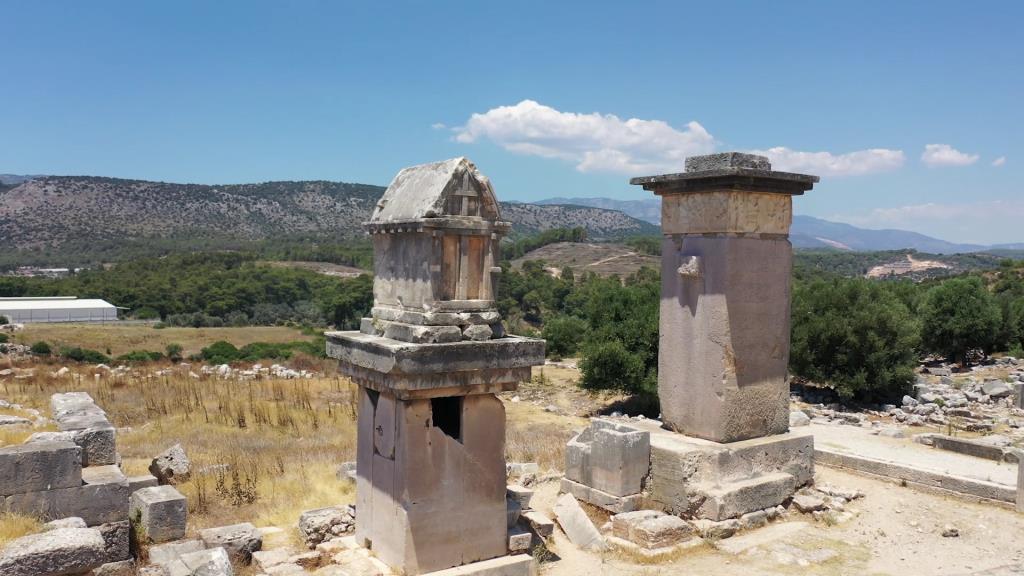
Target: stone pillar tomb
[
  {"x": 430, "y": 462},
  {"x": 723, "y": 448}
]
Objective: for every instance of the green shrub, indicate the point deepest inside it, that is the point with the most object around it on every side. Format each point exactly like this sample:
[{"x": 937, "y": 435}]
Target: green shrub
[
  {"x": 855, "y": 335},
  {"x": 960, "y": 315},
  {"x": 4, "y": 338},
  {"x": 610, "y": 366},
  {"x": 140, "y": 356},
  {"x": 4, "y": 320},
  {"x": 220, "y": 352},
  {"x": 84, "y": 355},
  {"x": 41, "y": 349},
  {"x": 174, "y": 352}
]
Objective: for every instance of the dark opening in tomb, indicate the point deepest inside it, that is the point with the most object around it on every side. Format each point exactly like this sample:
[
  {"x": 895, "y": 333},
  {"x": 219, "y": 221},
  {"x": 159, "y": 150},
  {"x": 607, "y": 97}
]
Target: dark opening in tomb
[{"x": 447, "y": 415}]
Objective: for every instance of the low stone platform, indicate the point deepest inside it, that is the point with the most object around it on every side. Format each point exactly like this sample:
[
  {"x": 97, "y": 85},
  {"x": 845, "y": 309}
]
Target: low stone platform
[
  {"x": 517, "y": 565},
  {"x": 610, "y": 502},
  {"x": 698, "y": 478}
]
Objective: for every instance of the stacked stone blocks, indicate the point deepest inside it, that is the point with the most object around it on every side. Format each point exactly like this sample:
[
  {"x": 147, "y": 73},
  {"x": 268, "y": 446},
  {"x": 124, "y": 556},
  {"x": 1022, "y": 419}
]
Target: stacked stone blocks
[{"x": 606, "y": 465}]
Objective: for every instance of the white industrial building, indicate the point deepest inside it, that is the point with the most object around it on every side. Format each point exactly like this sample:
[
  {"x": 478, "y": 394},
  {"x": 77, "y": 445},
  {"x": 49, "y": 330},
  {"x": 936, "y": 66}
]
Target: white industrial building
[{"x": 57, "y": 309}]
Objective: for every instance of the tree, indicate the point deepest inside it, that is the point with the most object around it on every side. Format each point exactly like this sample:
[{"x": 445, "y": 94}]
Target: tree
[
  {"x": 960, "y": 315},
  {"x": 4, "y": 320},
  {"x": 609, "y": 365},
  {"x": 855, "y": 335},
  {"x": 563, "y": 335}
]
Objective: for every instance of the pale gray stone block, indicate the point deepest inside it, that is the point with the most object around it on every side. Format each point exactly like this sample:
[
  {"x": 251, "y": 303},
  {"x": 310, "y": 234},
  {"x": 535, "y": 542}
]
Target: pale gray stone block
[
  {"x": 122, "y": 568},
  {"x": 239, "y": 540},
  {"x": 172, "y": 466},
  {"x": 213, "y": 562},
  {"x": 99, "y": 445},
  {"x": 520, "y": 494},
  {"x": 158, "y": 514},
  {"x": 39, "y": 466},
  {"x": 166, "y": 553},
  {"x": 140, "y": 482},
  {"x": 516, "y": 565},
  {"x": 116, "y": 540},
  {"x": 58, "y": 552},
  {"x": 576, "y": 524},
  {"x": 94, "y": 503},
  {"x": 539, "y": 522}
]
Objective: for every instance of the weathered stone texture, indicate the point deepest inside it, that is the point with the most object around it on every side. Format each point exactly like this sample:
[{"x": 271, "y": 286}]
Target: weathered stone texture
[
  {"x": 239, "y": 540},
  {"x": 576, "y": 525},
  {"x": 727, "y": 211},
  {"x": 158, "y": 514},
  {"x": 724, "y": 349},
  {"x": 172, "y": 466},
  {"x": 60, "y": 552},
  {"x": 39, "y": 466},
  {"x": 105, "y": 500},
  {"x": 609, "y": 457}
]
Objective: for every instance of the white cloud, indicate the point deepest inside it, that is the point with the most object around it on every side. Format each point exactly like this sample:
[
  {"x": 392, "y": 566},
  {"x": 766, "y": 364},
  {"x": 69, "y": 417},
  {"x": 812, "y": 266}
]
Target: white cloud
[
  {"x": 829, "y": 164},
  {"x": 594, "y": 142},
  {"x": 984, "y": 222},
  {"x": 606, "y": 143},
  {"x": 999, "y": 161},
  {"x": 438, "y": 126},
  {"x": 946, "y": 155}
]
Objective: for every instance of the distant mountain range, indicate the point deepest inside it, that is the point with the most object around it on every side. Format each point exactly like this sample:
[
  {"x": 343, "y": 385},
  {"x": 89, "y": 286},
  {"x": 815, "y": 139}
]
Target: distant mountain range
[
  {"x": 69, "y": 216},
  {"x": 810, "y": 232}
]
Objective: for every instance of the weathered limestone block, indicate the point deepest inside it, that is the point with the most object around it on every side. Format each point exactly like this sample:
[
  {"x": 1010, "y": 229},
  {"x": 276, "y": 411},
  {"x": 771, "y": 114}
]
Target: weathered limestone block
[
  {"x": 39, "y": 466},
  {"x": 140, "y": 482},
  {"x": 164, "y": 554},
  {"x": 102, "y": 500},
  {"x": 520, "y": 494},
  {"x": 726, "y": 211},
  {"x": 116, "y": 541},
  {"x": 60, "y": 552},
  {"x": 593, "y": 496},
  {"x": 519, "y": 540},
  {"x": 651, "y": 529},
  {"x": 539, "y": 523},
  {"x": 158, "y": 514},
  {"x": 99, "y": 445},
  {"x": 576, "y": 525},
  {"x": 239, "y": 540},
  {"x": 609, "y": 457},
  {"x": 71, "y": 522},
  {"x": 172, "y": 466},
  {"x": 212, "y": 562}
]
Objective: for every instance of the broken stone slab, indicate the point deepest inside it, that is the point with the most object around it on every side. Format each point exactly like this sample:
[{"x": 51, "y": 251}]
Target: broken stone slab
[
  {"x": 798, "y": 418},
  {"x": 712, "y": 530},
  {"x": 60, "y": 552},
  {"x": 99, "y": 445},
  {"x": 595, "y": 497},
  {"x": 808, "y": 503},
  {"x": 346, "y": 471},
  {"x": 212, "y": 562},
  {"x": 266, "y": 559},
  {"x": 520, "y": 494},
  {"x": 158, "y": 514},
  {"x": 7, "y": 421},
  {"x": 72, "y": 522},
  {"x": 39, "y": 466},
  {"x": 515, "y": 469},
  {"x": 122, "y": 568},
  {"x": 239, "y": 540},
  {"x": 539, "y": 523},
  {"x": 651, "y": 528},
  {"x": 576, "y": 524},
  {"x": 164, "y": 554},
  {"x": 323, "y": 524},
  {"x": 519, "y": 540},
  {"x": 517, "y": 565},
  {"x": 996, "y": 388},
  {"x": 172, "y": 466}
]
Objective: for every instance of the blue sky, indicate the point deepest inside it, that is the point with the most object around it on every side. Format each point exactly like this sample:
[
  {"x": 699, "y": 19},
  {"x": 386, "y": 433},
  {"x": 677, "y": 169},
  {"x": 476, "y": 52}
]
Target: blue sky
[{"x": 548, "y": 98}]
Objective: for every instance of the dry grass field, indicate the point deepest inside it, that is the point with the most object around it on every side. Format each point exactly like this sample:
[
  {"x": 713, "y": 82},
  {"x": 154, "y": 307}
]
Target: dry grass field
[
  {"x": 602, "y": 259},
  {"x": 123, "y": 338}
]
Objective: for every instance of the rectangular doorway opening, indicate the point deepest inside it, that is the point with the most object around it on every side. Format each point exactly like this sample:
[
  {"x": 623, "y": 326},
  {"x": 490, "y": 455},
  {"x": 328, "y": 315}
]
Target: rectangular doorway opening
[{"x": 447, "y": 415}]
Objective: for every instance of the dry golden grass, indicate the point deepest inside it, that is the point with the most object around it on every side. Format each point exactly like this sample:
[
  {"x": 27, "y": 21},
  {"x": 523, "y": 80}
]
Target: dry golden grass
[
  {"x": 14, "y": 526},
  {"x": 262, "y": 451},
  {"x": 123, "y": 338}
]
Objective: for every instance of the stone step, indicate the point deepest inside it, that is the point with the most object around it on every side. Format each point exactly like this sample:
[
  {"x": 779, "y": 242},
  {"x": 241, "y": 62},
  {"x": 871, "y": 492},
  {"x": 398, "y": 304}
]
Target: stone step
[{"x": 733, "y": 499}]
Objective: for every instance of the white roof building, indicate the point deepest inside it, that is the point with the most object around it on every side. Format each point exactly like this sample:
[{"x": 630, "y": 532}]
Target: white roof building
[{"x": 57, "y": 309}]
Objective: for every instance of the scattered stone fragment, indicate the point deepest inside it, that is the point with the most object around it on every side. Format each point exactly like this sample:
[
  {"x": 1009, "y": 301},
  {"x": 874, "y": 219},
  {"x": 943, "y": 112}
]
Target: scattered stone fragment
[
  {"x": 346, "y": 472},
  {"x": 122, "y": 568},
  {"x": 139, "y": 482},
  {"x": 808, "y": 503},
  {"x": 519, "y": 540},
  {"x": 213, "y": 562},
  {"x": 72, "y": 522},
  {"x": 239, "y": 540},
  {"x": 164, "y": 554},
  {"x": 716, "y": 530},
  {"x": 576, "y": 525},
  {"x": 326, "y": 523},
  {"x": 265, "y": 559},
  {"x": 950, "y": 531},
  {"x": 540, "y": 523},
  {"x": 171, "y": 467},
  {"x": 520, "y": 494},
  {"x": 798, "y": 418},
  {"x": 651, "y": 529}
]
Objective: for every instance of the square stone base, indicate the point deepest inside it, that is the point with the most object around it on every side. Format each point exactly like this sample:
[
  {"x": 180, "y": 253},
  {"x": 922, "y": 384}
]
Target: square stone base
[
  {"x": 517, "y": 565},
  {"x": 595, "y": 497},
  {"x": 697, "y": 478}
]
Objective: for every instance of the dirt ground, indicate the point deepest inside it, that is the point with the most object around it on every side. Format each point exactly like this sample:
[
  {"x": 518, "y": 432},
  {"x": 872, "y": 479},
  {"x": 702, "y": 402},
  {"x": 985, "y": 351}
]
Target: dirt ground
[{"x": 895, "y": 531}]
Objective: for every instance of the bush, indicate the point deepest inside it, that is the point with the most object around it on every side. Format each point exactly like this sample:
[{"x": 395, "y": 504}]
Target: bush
[
  {"x": 146, "y": 313},
  {"x": 41, "y": 349},
  {"x": 855, "y": 335},
  {"x": 220, "y": 352},
  {"x": 4, "y": 339},
  {"x": 140, "y": 356},
  {"x": 174, "y": 352},
  {"x": 610, "y": 366},
  {"x": 4, "y": 320},
  {"x": 563, "y": 335},
  {"x": 84, "y": 355},
  {"x": 960, "y": 315}
]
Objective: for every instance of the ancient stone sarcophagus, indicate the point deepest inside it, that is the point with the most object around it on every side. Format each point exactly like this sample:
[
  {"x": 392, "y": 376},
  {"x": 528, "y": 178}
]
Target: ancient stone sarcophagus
[{"x": 430, "y": 463}]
